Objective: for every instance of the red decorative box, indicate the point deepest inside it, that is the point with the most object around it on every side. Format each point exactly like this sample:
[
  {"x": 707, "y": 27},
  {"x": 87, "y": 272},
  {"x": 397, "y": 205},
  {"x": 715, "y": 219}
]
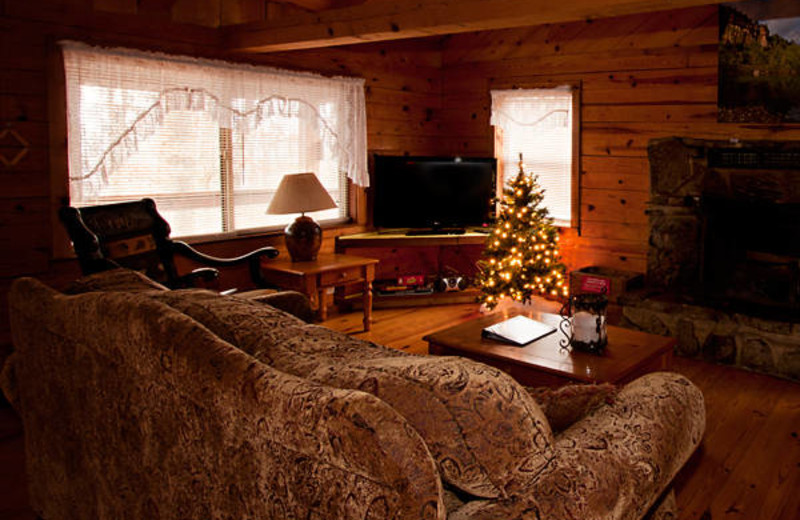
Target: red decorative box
[
  {"x": 414, "y": 279},
  {"x": 597, "y": 279}
]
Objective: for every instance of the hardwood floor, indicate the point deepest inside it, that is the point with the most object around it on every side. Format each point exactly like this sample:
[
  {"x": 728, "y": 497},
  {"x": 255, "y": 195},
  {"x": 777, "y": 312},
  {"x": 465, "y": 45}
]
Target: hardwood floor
[{"x": 748, "y": 466}]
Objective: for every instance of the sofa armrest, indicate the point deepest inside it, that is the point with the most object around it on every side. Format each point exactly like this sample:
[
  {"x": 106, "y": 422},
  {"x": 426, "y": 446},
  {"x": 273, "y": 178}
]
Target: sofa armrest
[{"x": 615, "y": 462}]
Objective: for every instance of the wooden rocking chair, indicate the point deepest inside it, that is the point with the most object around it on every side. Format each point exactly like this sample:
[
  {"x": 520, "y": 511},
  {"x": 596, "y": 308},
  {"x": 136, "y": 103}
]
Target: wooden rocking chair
[{"x": 134, "y": 235}]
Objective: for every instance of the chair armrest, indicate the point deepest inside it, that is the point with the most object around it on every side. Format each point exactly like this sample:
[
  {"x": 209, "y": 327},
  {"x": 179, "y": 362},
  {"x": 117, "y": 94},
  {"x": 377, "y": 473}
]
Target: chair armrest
[
  {"x": 188, "y": 251},
  {"x": 253, "y": 259},
  {"x": 615, "y": 462},
  {"x": 206, "y": 275}
]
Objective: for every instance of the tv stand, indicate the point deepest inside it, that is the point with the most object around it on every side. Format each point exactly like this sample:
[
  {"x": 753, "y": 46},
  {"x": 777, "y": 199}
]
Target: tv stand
[
  {"x": 431, "y": 254},
  {"x": 435, "y": 231}
]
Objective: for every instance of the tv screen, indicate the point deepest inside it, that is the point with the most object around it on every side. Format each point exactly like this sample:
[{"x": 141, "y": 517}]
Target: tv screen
[{"x": 432, "y": 192}]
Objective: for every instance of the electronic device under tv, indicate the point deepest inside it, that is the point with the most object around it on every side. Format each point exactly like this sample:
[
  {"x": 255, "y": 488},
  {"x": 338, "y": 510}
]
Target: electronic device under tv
[{"x": 433, "y": 194}]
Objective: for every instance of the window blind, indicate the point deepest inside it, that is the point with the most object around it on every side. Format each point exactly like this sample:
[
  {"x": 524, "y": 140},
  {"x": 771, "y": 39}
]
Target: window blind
[
  {"x": 538, "y": 123},
  {"x": 208, "y": 140}
]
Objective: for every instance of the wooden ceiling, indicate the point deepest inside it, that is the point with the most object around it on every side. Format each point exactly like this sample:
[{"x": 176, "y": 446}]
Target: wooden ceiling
[{"x": 326, "y": 23}]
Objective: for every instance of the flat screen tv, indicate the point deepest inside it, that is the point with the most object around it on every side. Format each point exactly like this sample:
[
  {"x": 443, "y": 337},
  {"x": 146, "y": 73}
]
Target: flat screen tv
[{"x": 440, "y": 194}]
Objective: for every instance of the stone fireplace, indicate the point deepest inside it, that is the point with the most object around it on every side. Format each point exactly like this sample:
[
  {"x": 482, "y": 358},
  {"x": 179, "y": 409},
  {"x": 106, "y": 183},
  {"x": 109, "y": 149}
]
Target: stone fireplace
[{"x": 723, "y": 267}]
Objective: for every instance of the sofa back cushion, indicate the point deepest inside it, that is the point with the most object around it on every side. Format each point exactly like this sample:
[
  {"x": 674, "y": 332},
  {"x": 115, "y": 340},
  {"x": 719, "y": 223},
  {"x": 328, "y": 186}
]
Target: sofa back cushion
[
  {"x": 120, "y": 279},
  {"x": 487, "y": 435},
  {"x": 133, "y": 410}
]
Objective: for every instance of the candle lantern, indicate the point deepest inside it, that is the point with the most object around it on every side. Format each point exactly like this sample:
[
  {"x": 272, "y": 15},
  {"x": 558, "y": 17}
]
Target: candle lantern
[{"x": 583, "y": 322}]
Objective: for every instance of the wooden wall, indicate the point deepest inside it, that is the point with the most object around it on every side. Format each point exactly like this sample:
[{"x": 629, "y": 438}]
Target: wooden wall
[
  {"x": 403, "y": 81},
  {"x": 403, "y": 89},
  {"x": 642, "y": 77}
]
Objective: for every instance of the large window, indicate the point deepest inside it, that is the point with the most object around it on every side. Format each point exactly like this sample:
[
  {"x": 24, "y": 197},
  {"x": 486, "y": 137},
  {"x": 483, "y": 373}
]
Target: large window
[
  {"x": 542, "y": 125},
  {"x": 208, "y": 140}
]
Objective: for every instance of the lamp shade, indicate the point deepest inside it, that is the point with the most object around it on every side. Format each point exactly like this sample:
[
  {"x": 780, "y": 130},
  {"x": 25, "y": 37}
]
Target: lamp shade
[{"x": 300, "y": 193}]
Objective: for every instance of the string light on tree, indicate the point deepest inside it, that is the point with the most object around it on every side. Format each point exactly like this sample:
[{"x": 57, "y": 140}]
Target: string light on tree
[{"x": 522, "y": 259}]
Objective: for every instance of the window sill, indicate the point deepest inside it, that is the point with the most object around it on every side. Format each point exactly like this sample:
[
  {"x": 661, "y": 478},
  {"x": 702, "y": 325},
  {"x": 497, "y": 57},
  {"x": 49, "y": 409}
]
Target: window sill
[{"x": 271, "y": 232}]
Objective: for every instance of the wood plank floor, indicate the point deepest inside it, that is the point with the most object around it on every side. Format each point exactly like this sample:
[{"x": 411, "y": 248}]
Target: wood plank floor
[{"x": 748, "y": 466}]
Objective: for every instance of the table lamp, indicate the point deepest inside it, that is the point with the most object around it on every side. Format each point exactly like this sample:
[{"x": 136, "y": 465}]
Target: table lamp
[{"x": 301, "y": 193}]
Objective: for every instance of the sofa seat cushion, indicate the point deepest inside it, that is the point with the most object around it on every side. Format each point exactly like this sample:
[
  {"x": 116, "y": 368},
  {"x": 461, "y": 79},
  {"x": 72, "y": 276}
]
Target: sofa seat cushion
[{"x": 488, "y": 436}]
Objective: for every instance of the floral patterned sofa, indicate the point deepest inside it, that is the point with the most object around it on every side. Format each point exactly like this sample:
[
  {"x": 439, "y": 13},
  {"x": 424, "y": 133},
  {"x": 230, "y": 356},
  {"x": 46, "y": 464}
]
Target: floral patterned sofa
[{"x": 140, "y": 402}]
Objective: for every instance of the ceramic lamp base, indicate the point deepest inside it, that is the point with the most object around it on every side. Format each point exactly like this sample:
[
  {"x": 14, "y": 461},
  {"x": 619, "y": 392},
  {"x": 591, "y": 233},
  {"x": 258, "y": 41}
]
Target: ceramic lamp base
[{"x": 303, "y": 239}]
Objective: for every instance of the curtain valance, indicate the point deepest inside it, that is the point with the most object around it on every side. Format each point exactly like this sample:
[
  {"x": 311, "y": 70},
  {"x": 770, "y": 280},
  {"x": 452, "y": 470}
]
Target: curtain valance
[
  {"x": 541, "y": 108},
  {"x": 236, "y": 96}
]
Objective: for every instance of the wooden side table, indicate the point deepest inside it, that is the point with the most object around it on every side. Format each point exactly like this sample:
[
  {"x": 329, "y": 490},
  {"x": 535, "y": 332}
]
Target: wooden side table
[{"x": 315, "y": 278}]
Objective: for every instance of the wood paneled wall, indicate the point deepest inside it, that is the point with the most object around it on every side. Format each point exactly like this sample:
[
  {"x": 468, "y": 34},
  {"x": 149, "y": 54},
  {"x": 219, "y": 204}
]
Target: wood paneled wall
[
  {"x": 403, "y": 89},
  {"x": 404, "y": 96},
  {"x": 641, "y": 77}
]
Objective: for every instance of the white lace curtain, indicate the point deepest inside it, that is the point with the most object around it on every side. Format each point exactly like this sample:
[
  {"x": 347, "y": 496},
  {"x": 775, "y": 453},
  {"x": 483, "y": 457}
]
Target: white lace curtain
[
  {"x": 234, "y": 95},
  {"x": 538, "y": 123}
]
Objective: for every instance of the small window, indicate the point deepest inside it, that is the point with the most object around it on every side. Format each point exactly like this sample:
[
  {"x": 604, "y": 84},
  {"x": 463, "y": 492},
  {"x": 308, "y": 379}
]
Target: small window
[{"x": 542, "y": 125}]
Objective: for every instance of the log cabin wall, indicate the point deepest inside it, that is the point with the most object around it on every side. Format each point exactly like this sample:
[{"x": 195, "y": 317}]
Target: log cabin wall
[
  {"x": 641, "y": 77},
  {"x": 403, "y": 89},
  {"x": 402, "y": 100}
]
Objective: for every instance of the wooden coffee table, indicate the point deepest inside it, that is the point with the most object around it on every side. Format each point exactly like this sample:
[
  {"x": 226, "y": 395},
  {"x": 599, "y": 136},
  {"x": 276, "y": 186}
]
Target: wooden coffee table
[{"x": 629, "y": 353}]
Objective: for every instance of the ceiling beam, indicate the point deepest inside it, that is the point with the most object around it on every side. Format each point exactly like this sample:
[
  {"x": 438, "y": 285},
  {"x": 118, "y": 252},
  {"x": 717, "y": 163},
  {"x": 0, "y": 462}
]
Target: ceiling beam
[
  {"x": 394, "y": 20},
  {"x": 319, "y": 5}
]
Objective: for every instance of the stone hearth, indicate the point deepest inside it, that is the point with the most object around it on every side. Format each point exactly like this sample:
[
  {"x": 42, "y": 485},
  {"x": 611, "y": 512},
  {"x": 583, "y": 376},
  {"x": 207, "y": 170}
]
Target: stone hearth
[
  {"x": 723, "y": 271},
  {"x": 763, "y": 345}
]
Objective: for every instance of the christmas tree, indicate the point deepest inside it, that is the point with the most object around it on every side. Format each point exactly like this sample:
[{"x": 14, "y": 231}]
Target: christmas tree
[{"x": 521, "y": 258}]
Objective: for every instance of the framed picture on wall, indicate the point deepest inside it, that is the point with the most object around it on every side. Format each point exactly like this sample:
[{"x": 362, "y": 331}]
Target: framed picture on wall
[{"x": 759, "y": 62}]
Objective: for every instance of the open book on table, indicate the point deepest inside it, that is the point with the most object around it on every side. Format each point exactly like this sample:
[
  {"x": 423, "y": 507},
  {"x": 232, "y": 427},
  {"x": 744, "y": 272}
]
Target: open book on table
[{"x": 519, "y": 330}]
